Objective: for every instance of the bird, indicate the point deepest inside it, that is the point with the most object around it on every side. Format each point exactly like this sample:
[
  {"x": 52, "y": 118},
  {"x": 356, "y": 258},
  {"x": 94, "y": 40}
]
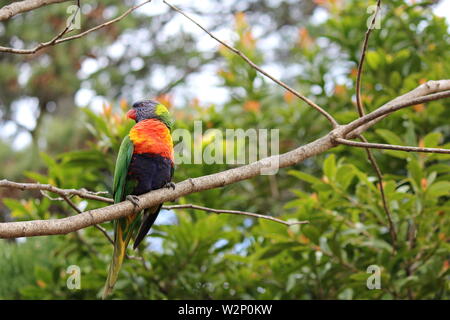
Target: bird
[{"x": 145, "y": 162}]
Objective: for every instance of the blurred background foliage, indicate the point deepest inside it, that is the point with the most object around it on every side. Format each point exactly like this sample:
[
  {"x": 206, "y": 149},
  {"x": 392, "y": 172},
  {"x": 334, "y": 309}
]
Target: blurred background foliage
[{"x": 51, "y": 133}]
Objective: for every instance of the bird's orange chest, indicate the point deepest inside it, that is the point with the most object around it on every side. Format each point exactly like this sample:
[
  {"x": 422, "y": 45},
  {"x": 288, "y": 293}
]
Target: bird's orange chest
[{"x": 152, "y": 136}]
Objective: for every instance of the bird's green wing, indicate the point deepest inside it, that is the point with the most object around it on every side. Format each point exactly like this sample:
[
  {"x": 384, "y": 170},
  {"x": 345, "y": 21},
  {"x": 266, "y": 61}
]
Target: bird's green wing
[
  {"x": 121, "y": 171},
  {"x": 122, "y": 227}
]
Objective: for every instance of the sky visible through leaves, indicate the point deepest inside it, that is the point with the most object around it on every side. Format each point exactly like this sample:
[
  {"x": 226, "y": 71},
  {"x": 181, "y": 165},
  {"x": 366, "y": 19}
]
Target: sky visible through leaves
[{"x": 203, "y": 85}]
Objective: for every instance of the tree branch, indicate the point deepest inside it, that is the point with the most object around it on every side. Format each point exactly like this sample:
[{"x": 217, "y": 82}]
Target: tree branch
[
  {"x": 115, "y": 211},
  {"x": 429, "y": 91},
  {"x": 257, "y": 68},
  {"x": 359, "y": 103},
  {"x": 390, "y": 146},
  {"x": 57, "y": 40},
  {"x": 217, "y": 180},
  {"x": 242, "y": 213},
  {"x": 101, "y": 229},
  {"x": 361, "y": 112},
  {"x": 18, "y": 7},
  {"x": 379, "y": 174},
  {"x": 82, "y": 193}
]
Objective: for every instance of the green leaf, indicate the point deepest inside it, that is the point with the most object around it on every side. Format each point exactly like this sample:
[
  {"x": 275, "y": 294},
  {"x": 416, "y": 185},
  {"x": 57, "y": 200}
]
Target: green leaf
[
  {"x": 329, "y": 167},
  {"x": 389, "y": 136},
  {"x": 305, "y": 177},
  {"x": 345, "y": 175},
  {"x": 373, "y": 59},
  {"x": 100, "y": 124},
  {"x": 17, "y": 208},
  {"x": 395, "y": 79},
  {"x": 277, "y": 248},
  {"x": 438, "y": 189},
  {"x": 401, "y": 56},
  {"x": 439, "y": 168},
  {"x": 312, "y": 233},
  {"x": 360, "y": 277},
  {"x": 36, "y": 177},
  {"x": 415, "y": 170},
  {"x": 432, "y": 139},
  {"x": 378, "y": 244},
  {"x": 84, "y": 158}
]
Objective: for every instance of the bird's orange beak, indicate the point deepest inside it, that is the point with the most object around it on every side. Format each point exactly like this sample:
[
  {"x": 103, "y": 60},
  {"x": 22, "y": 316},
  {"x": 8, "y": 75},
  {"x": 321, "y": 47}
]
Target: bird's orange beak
[{"x": 132, "y": 114}]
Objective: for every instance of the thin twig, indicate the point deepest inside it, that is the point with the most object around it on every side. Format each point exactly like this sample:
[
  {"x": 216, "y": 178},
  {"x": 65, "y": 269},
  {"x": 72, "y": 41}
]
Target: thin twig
[
  {"x": 65, "y": 196},
  {"x": 359, "y": 103},
  {"x": 56, "y": 40},
  {"x": 86, "y": 244},
  {"x": 45, "y": 194},
  {"x": 67, "y": 28},
  {"x": 379, "y": 174},
  {"x": 390, "y": 146},
  {"x": 244, "y": 213},
  {"x": 257, "y": 68},
  {"x": 78, "y": 235},
  {"x": 102, "y": 230},
  {"x": 105, "y": 233},
  {"x": 361, "y": 112},
  {"x": 66, "y": 199},
  {"x": 82, "y": 193},
  {"x": 354, "y": 128}
]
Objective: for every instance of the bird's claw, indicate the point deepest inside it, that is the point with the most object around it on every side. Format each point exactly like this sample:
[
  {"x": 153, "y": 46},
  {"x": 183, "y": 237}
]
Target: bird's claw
[
  {"x": 134, "y": 200},
  {"x": 169, "y": 185}
]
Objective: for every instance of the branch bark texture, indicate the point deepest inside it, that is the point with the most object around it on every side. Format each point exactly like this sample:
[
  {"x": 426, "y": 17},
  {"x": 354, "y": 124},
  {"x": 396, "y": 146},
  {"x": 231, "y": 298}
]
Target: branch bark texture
[
  {"x": 217, "y": 180},
  {"x": 18, "y": 7}
]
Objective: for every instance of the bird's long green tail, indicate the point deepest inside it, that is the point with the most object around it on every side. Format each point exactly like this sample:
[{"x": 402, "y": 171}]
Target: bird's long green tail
[{"x": 120, "y": 246}]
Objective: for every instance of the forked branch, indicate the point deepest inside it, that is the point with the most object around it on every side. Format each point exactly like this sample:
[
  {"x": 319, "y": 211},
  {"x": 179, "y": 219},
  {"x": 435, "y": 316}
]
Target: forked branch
[
  {"x": 259, "y": 69},
  {"x": 58, "y": 38}
]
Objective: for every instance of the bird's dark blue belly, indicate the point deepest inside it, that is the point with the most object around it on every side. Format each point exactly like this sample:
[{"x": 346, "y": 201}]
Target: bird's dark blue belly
[{"x": 151, "y": 171}]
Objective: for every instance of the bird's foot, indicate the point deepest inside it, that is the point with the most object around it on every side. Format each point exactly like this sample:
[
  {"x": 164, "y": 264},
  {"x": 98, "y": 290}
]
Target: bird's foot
[
  {"x": 169, "y": 185},
  {"x": 134, "y": 200}
]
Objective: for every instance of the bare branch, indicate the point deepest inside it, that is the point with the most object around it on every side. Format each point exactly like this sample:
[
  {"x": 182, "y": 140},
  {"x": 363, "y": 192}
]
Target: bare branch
[
  {"x": 101, "y": 229},
  {"x": 112, "y": 212},
  {"x": 244, "y": 213},
  {"x": 379, "y": 174},
  {"x": 429, "y": 91},
  {"x": 359, "y": 103},
  {"x": 71, "y": 204},
  {"x": 390, "y": 146},
  {"x": 105, "y": 233},
  {"x": 82, "y": 193},
  {"x": 361, "y": 112},
  {"x": 56, "y": 40},
  {"x": 67, "y": 28},
  {"x": 45, "y": 194},
  {"x": 18, "y": 7},
  {"x": 217, "y": 180},
  {"x": 257, "y": 68},
  {"x": 65, "y": 198}
]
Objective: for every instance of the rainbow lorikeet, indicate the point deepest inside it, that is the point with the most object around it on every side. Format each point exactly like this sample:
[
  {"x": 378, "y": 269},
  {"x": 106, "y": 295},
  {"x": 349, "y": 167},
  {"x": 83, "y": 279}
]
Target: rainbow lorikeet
[{"x": 144, "y": 163}]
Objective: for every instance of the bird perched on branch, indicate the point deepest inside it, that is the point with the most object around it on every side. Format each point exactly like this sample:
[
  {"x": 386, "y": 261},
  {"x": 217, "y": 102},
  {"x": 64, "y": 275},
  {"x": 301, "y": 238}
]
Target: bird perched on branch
[{"x": 144, "y": 163}]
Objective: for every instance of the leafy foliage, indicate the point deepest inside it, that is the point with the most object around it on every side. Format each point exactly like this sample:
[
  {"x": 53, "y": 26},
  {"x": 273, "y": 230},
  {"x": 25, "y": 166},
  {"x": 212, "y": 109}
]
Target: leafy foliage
[{"x": 194, "y": 255}]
